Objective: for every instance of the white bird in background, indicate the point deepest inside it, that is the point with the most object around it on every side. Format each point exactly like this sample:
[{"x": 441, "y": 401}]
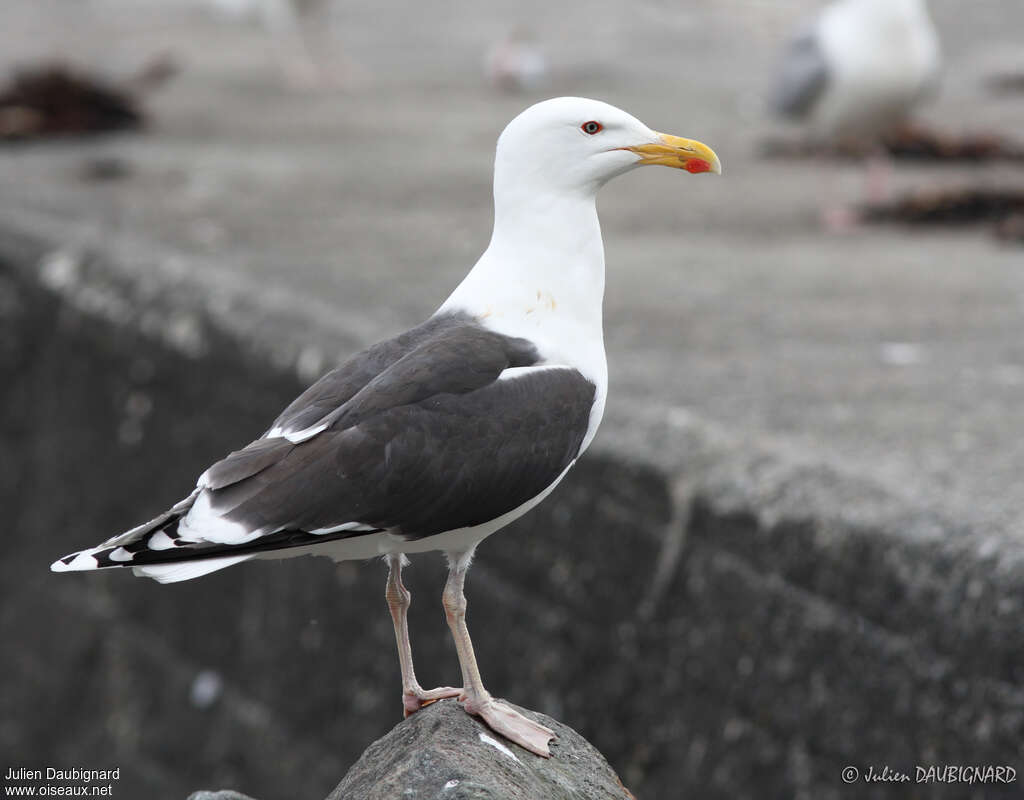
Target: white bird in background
[
  {"x": 859, "y": 68},
  {"x": 437, "y": 438},
  {"x": 855, "y": 74}
]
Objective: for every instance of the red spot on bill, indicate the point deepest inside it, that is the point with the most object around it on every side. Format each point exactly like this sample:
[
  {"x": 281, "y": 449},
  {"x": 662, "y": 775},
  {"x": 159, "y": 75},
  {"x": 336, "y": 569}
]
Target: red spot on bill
[{"x": 695, "y": 165}]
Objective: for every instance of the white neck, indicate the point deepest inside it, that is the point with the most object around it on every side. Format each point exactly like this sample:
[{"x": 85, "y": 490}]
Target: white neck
[
  {"x": 542, "y": 275},
  {"x": 542, "y": 278}
]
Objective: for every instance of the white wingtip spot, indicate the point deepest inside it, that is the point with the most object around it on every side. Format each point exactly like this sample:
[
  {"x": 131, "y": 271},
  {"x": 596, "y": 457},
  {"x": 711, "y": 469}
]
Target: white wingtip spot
[
  {"x": 515, "y": 372},
  {"x": 82, "y": 561},
  {"x": 297, "y": 437},
  {"x": 499, "y": 746},
  {"x": 120, "y": 554},
  {"x": 159, "y": 541}
]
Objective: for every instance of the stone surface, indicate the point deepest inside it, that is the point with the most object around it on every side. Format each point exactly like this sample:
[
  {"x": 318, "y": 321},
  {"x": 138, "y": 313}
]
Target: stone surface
[
  {"x": 223, "y": 794},
  {"x": 442, "y": 753}
]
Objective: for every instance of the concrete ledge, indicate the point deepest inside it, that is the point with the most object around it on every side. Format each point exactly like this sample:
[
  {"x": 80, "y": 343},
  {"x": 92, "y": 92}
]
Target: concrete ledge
[{"x": 846, "y": 539}]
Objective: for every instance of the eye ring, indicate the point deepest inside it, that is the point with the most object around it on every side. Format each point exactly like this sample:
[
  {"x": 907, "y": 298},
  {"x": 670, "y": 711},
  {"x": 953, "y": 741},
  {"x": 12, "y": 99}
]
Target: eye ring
[{"x": 591, "y": 127}]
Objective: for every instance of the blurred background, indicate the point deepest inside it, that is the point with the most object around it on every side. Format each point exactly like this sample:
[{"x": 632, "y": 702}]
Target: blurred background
[{"x": 797, "y": 544}]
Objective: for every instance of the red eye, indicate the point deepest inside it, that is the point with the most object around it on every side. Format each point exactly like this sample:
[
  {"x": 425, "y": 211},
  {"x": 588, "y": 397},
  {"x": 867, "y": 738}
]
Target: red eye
[{"x": 592, "y": 127}]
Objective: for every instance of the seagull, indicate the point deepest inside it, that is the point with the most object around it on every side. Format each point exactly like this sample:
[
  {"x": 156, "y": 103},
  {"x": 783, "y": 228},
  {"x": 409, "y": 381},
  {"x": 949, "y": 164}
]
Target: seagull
[
  {"x": 444, "y": 434},
  {"x": 859, "y": 68},
  {"x": 853, "y": 75}
]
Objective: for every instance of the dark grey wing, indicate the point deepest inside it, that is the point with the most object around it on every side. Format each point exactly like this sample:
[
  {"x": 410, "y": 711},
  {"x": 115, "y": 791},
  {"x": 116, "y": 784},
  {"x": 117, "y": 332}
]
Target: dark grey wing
[
  {"x": 453, "y": 361},
  {"x": 445, "y": 462},
  {"x": 436, "y": 440},
  {"x": 346, "y": 387},
  {"x": 804, "y": 74},
  {"x": 241, "y": 464},
  {"x": 339, "y": 385}
]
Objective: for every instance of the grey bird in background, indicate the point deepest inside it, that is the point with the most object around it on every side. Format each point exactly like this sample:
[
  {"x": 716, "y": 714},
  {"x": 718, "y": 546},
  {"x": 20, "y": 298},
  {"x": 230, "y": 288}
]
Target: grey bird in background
[{"x": 859, "y": 68}]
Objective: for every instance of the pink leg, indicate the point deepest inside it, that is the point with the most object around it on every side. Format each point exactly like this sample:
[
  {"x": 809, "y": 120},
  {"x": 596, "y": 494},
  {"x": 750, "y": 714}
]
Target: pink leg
[
  {"x": 835, "y": 215},
  {"x": 878, "y": 176},
  {"x": 877, "y": 181},
  {"x": 476, "y": 699},
  {"x": 414, "y": 697}
]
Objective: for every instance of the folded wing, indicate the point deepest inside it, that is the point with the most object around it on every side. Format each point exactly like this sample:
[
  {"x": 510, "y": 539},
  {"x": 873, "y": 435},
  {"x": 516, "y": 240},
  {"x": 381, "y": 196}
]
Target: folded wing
[{"x": 448, "y": 426}]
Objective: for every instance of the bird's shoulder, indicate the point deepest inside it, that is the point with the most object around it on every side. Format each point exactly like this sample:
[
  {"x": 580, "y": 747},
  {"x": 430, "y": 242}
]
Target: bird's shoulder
[{"x": 449, "y": 354}]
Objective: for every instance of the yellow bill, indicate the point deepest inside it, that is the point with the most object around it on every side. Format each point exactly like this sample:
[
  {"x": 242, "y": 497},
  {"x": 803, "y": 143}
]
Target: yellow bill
[{"x": 675, "y": 151}]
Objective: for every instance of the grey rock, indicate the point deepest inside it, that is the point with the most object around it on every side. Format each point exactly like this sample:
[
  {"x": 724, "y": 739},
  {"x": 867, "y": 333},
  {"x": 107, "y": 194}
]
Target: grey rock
[
  {"x": 223, "y": 794},
  {"x": 443, "y": 753}
]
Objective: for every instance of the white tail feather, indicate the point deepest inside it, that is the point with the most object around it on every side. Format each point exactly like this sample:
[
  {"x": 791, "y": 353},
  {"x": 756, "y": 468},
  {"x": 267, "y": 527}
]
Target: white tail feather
[{"x": 186, "y": 570}]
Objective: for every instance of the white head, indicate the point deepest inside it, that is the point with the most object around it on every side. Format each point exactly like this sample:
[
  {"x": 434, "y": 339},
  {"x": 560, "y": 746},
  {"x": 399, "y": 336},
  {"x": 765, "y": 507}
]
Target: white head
[
  {"x": 572, "y": 144},
  {"x": 543, "y": 270}
]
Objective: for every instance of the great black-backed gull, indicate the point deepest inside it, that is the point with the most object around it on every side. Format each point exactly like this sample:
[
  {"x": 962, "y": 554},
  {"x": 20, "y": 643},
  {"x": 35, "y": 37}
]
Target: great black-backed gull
[{"x": 440, "y": 436}]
